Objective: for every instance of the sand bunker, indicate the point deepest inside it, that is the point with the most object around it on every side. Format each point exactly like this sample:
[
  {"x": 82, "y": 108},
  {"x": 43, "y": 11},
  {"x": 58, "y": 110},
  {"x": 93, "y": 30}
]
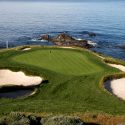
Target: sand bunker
[
  {"x": 117, "y": 86},
  {"x": 67, "y": 47},
  {"x": 8, "y": 77},
  {"x": 26, "y": 49},
  {"x": 120, "y": 67}
]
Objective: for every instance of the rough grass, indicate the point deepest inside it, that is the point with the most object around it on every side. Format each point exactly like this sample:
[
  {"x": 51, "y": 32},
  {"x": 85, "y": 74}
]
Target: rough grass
[{"x": 73, "y": 75}]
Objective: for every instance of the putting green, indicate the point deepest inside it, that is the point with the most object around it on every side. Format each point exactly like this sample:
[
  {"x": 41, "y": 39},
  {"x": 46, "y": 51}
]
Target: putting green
[{"x": 63, "y": 61}]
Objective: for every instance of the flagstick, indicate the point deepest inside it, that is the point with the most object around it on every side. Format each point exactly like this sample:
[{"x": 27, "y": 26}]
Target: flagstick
[{"x": 7, "y": 44}]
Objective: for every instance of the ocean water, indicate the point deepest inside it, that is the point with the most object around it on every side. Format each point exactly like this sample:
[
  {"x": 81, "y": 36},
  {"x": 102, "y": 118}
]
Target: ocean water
[{"x": 21, "y": 23}]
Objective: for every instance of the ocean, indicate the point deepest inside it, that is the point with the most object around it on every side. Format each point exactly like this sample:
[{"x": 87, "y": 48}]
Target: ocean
[{"x": 21, "y": 23}]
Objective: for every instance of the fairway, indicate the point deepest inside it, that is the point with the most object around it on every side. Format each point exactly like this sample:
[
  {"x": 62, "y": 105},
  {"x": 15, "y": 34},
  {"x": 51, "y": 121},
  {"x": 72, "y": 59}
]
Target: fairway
[
  {"x": 73, "y": 85},
  {"x": 65, "y": 61}
]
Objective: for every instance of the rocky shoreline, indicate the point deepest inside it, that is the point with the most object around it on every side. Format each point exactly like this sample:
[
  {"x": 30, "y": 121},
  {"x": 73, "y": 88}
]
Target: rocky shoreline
[{"x": 64, "y": 39}]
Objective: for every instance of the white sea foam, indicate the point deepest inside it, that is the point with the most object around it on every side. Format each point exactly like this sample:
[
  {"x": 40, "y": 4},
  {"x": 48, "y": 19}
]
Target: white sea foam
[
  {"x": 34, "y": 40},
  {"x": 92, "y": 43},
  {"x": 78, "y": 39}
]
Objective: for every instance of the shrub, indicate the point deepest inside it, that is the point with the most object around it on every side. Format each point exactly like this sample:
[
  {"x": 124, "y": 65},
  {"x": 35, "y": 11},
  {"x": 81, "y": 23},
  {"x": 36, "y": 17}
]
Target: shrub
[{"x": 61, "y": 120}]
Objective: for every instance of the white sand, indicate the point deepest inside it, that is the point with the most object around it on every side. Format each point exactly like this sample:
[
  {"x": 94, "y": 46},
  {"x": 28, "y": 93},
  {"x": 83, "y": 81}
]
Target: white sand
[
  {"x": 26, "y": 49},
  {"x": 8, "y": 77},
  {"x": 120, "y": 67},
  {"x": 118, "y": 87},
  {"x": 68, "y": 47}
]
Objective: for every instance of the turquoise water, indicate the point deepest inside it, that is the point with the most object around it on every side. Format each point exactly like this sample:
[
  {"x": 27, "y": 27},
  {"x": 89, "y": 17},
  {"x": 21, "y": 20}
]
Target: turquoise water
[{"x": 23, "y": 22}]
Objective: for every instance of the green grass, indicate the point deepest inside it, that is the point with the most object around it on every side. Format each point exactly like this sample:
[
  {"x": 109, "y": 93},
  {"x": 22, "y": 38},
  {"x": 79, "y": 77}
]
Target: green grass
[
  {"x": 62, "y": 61},
  {"x": 74, "y": 76}
]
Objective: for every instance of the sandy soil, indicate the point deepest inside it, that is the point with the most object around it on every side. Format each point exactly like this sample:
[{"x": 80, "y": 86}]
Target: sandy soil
[{"x": 8, "y": 77}]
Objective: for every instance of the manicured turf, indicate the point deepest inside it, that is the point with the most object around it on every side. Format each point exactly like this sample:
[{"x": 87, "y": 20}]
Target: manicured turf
[
  {"x": 73, "y": 86},
  {"x": 65, "y": 61}
]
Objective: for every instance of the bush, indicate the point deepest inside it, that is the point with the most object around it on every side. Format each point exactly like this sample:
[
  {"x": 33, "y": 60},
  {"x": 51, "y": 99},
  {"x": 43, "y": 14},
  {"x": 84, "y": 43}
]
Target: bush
[
  {"x": 61, "y": 120},
  {"x": 15, "y": 119}
]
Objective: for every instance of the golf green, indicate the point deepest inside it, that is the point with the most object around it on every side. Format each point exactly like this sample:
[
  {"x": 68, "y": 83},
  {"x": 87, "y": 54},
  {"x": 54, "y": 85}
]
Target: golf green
[{"x": 65, "y": 61}]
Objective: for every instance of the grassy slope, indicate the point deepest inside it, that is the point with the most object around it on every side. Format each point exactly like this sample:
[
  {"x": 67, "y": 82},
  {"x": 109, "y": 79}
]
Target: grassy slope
[{"x": 73, "y": 86}]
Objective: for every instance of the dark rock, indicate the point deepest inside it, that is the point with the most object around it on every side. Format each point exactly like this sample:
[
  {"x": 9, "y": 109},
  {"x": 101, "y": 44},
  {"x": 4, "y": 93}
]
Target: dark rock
[
  {"x": 63, "y": 38},
  {"x": 67, "y": 40},
  {"x": 83, "y": 44},
  {"x": 91, "y": 34},
  {"x": 34, "y": 120},
  {"x": 45, "y": 37},
  {"x": 122, "y": 47}
]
